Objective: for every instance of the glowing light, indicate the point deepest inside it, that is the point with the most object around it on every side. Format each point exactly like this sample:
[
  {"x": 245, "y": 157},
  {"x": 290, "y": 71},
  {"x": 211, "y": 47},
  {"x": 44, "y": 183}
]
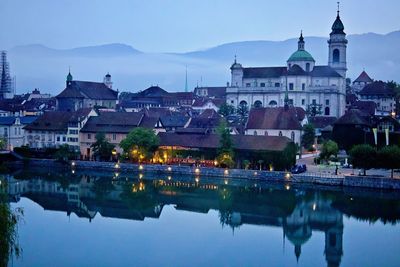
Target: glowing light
[
  {"x": 116, "y": 174},
  {"x": 226, "y": 172},
  {"x": 314, "y": 206},
  {"x": 197, "y": 180},
  {"x": 215, "y": 162},
  {"x": 140, "y": 176},
  {"x": 225, "y": 181},
  {"x": 287, "y": 175},
  {"x": 255, "y": 173},
  {"x": 73, "y": 172},
  {"x": 287, "y": 187},
  {"x": 169, "y": 178},
  {"x": 114, "y": 152},
  {"x": 117, "y": 165},
  {"x": 197, "y": 170},
  {"x": 169, "y": 168},
  {"x": 141, "y": 167},
  {"x": 73, "y": 163}
]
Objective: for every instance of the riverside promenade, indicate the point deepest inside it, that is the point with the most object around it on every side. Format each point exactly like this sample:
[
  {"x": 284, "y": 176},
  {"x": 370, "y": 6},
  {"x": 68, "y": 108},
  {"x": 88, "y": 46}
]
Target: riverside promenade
[{"x": 317, "y": 178}]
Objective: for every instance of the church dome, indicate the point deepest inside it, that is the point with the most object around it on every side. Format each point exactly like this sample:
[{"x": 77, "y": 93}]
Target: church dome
[
  {"x": 337, "y": 26},
  {"x": 301, "y": 55}
]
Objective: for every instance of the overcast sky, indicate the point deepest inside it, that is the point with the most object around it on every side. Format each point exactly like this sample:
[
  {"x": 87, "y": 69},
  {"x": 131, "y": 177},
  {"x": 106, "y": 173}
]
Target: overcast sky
[{"x": 183, "y": 25}]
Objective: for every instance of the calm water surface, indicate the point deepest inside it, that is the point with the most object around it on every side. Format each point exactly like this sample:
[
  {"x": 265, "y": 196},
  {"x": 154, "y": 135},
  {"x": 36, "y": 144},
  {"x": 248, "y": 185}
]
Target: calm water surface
[{"x": 104, "y": 219}]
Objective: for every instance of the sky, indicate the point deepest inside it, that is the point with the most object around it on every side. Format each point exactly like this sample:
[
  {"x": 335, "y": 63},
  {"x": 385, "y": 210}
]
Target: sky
[{"x": 183, "y": 25}]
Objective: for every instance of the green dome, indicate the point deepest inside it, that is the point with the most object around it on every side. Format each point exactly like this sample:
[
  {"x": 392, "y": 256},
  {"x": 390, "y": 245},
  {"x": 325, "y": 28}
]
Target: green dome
[{"x": 301, "y": 55}]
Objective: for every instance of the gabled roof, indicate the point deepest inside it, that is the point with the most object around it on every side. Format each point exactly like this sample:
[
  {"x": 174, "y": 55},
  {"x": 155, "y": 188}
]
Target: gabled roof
[
  {"x": 368, "y": 107},
  {"x": 51, "y": 121},
  {"x": 174, "y": 120},
  {"x": 153, "y": 91},
  {"x": 377, "y": 88},
  {"x": 296, "y": 70},
  {"x": 200, "y": 102},
  {"x": 211, "y": 141},
  {"x": 80, "y": 114},
  {"x": 353, "y": 117},
  {"x": 264, "y": 72},
  {"x": 113, "y": 122},
  {"x": 275, "y": 118},
  {"x": 91, "y": 90},
  {"x": 363, "y": 77},
  {"x": 216, "y": 91}
]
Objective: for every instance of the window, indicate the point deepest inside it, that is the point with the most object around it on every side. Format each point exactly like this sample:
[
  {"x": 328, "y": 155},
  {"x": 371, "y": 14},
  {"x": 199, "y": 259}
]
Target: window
[
  {"x": 262, "y": 84},
  {"x": 58, "y": 139},
  {"x": 336, "y": 56},
  {"x": 327, "y": 111},
  {"x": 248, "y": 84},
  {"x": 89, "y": 136},
  {"x": 231, "y": 101},
  {"x": 15, "y": 131},
  {"x": 243, "y": 103},
  {"x": 114, "y": 136},
  {"x": 327, "y": 102},
  {"x": 258, "y": 104},
  {"x": 307, "y": 67},
  {"x": 291, "y": 86},
  {"x": 291, "y": 102},
  {"x": 303, "y": 102},
  {"x": 273, "y": 103},
  {"x": 292, "y": 136},
  {"x": 314, "y": 101},
  {"x": 64, "y": 138},
  {"x": 277, "y": 84},
  {"x": 266, "y": 133},
  {"x": 303, "y": 86},
  {"x": 255, "y": 132},
  {"x": 280, "y": 133}
]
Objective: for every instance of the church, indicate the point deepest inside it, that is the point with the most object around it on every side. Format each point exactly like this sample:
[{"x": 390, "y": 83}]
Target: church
[{"x": 319, "y": 89}]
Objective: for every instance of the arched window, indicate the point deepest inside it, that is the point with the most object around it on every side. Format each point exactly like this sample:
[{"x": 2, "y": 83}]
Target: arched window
[
  {"x": 255, "y": 132},
  {"x": 292, "y": 135},
  {"x": 266, "y": 133},
  {"x": 336, "y": 56},
  {"x": 258, "y": 104},
  {"x": 308, "y": 67},
  {"x": 327, "y": 111},
  {"x": 273, "y": 103},
  {"x": 280, "y": 133},
  {"x": 243, "y": 103}
]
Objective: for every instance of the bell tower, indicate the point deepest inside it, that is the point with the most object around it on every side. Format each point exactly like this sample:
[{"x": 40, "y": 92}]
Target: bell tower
[{"x": 337, "y": 47}]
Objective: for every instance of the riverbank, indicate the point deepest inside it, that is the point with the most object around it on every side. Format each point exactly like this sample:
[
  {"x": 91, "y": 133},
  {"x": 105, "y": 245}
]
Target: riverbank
[{"x": 256, "y": 175}]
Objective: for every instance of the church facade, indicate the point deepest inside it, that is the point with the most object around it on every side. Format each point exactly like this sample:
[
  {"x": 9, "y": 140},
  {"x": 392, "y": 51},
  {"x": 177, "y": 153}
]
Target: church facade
[{"x": 317, "y": 88}]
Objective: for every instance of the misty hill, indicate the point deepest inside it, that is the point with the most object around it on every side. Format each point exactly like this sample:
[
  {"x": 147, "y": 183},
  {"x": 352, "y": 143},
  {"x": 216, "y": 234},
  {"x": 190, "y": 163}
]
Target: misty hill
[{"x": 132, "y": 70}]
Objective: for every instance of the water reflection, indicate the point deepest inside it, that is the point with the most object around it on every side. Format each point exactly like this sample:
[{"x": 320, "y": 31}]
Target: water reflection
[{"x": 298, "y": 211}]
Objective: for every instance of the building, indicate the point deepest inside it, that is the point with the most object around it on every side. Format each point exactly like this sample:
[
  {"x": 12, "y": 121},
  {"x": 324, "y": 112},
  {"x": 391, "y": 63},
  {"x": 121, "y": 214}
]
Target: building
[
  {"x": 382, "y": 95},
  {"x": 83, "y": 94},
  {"x": 155, "y": 96},
  {"x": 308, "y": 85},
  {"x": 7, "y": 83},
  {"x": 362, "y": 80},
  {"x": 12, "y": 130},
  {"x": 115, "y": 126},
  {"x": 276, "y": 121}
]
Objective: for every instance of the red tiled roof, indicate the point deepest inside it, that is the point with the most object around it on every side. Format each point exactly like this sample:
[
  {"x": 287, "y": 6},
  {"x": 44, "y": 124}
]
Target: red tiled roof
[
  {"x": 363, "y": 77},
  {"x": 275, "y": 118}
]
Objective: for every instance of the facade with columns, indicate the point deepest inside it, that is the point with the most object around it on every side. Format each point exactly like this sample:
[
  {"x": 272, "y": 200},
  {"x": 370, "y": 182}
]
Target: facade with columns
[{"x": 310, "y": 86}]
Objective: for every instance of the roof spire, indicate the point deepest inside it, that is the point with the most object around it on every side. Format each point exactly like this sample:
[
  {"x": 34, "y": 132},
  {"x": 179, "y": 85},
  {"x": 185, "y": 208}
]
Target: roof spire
[
  {"x": 301, "y": 41},
  {"x": 338, "y": 8},
  {"x": 235, "y": 59}
]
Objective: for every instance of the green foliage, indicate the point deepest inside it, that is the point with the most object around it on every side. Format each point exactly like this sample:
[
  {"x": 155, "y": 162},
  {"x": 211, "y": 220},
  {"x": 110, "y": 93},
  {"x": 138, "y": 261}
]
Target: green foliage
[
  {"x": 308, "y": 137},
  {"x": 226, "y": 109},
  {"x": 314, "y": 109},
  {"x": 3, "y": 143},
  {"x": 9, "y": 219},
  {"x": 363, "y": 156},
  {"x": 225, "y": 150},
  {"x": 102, "y": 148},
  {"x": 63, "y": 154},
  {"x": 242, "y": 111},
  {"x": 143, "y": 141},
  {"x": 389, "y": 158},
  {"x": 329, "y": 149}
]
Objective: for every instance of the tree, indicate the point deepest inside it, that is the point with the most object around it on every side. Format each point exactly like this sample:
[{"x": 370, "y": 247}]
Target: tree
[
  {"x": 3, "y": 143},
  {"x": 389, "y": 158},
  {"x": 329, "y": 149},
  {"x": 140, "y": 143},
  {"x": 63, "y": 153},
  {"x": 102, "y": 148},
  {"x": 396, "y": 89},
  {"x": 225, "y": 150},
  {"x": 363, "y": 156},
  {"x": 242, "y": 111},
  {"x": 308, "y": 137},
  {"x": 314, "y": 109},
  {"x": 226, "y": 109}
]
